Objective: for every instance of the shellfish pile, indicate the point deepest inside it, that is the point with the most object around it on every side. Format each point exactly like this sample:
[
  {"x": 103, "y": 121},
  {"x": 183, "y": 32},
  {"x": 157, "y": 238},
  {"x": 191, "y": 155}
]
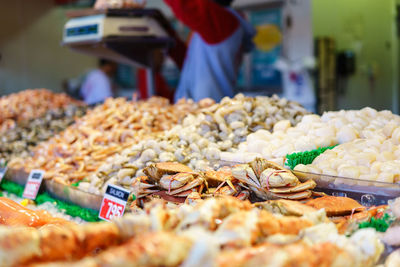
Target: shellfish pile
[
  {"x": 103, "y": 131},
  {"x": 30, "y": 104},
  {"x": 316, "y": 131},
  {"x": 198, "y": 140},
  {"x": 19, "y": 141}
]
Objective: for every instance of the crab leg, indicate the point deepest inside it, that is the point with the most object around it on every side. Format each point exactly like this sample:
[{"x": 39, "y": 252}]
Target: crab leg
[
  {"x": 146, "y": 192},
  {"x": 310, "y": 184},
  {"x": 185, "y": 193},
  {"x": 299, "y": 195},
  {"x": 188, "y": 186}
]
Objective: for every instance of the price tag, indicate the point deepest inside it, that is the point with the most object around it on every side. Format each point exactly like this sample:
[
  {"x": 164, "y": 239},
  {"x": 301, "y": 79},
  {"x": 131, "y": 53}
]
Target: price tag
[
  {"x": 2, "y": 173},
  {"x": 33, "y": 184},
  {"x": 114, "y": 202}
]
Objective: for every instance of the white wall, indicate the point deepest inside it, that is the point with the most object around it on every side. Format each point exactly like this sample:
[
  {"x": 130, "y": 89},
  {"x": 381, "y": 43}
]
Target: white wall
[
  {"x": 30, "y": 36},
  {"x": 366, "y": 27}
]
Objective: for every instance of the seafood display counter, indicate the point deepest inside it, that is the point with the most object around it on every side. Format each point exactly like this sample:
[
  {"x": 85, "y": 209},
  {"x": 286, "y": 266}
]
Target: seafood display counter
[{"x": 243, "y": 182}]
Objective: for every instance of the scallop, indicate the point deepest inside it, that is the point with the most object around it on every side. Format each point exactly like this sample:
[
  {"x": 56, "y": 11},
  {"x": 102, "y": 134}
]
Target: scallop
[
  {"x": 385, "y": 156},
  {"x": 147, "y": 155},
  {"x": 389, "y": 128},
  {"x": 166, "y": 156},
  {"x": 282, "y": 125},
  {"x": 346, "y": 134},
  {"x": 349, "y": 171},
  {"x": 385, "y": 177}
]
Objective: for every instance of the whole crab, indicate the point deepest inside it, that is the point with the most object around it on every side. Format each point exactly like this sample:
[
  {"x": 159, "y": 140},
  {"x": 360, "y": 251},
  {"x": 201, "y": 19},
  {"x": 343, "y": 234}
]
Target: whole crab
[
  {"x": 177, "y": 179},
  {"x": 268, "y": 180},
  {"x": 171, "y": 179}
]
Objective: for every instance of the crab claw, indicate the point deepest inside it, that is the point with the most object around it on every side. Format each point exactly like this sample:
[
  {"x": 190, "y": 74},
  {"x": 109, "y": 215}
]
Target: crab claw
[
  {"x": 245, "y": 174},
  {"x": 292, "y": 196},
  {"x": 259, "y": 165},
  {"x": 141, "y": 187}
]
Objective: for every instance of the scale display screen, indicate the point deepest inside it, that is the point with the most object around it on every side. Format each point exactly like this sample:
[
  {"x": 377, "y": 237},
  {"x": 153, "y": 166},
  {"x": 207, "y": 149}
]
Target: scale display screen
[{"x": 82, "y": 30}]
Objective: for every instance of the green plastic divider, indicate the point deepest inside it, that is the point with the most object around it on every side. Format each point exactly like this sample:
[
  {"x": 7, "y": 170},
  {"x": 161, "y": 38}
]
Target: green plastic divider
[
  {"x": 306, "y": 157},
  {"x": 70, "y": 209}
]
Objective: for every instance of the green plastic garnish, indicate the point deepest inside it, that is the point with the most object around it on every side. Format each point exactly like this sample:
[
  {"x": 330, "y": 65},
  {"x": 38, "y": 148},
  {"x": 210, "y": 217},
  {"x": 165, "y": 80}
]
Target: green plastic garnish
[
  {"x": 380, "y": 224},
  {"x": 306, "y": 157},
  {"x": 76, "y": 184}
]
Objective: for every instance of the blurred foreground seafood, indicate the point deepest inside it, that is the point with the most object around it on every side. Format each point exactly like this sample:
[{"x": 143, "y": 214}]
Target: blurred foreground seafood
[
  {"x": 336, "y": 206},
  {"x": 199, "y": 139},
  {"x": 216, "y": 232},
  {"x": 14, "y": 214},
  {"x": 30, "y": 104}
]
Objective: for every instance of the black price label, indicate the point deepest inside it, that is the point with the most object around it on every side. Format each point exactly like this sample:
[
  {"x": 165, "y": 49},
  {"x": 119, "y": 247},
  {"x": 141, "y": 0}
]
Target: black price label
[{"x": 114, "y": 202}]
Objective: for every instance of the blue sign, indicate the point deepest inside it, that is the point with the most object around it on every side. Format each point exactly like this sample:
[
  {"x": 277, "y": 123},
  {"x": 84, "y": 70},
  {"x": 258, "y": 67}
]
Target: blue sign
[{"x": 268, "y": 47}]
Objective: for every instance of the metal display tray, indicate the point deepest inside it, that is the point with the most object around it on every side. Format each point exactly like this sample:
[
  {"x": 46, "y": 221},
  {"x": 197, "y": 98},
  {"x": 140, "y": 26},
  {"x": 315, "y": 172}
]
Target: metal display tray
[
  {"x": 368, "y": 193},
  {"x": 59, "y": 191},
  {"x": 17, "y": 176}
]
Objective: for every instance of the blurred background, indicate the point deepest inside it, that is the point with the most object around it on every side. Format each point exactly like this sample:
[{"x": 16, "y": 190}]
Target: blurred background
[{"x": 327, "y": 55}]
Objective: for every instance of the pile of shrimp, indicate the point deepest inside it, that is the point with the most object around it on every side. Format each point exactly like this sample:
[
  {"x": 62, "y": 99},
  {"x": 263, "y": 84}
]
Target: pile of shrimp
[
  {"x": 104, "y": 131},
  {"x": 30, "y": 104}
]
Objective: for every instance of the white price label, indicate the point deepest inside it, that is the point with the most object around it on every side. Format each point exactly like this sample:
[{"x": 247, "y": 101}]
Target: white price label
[
  {"x": 2, "y": 173},
  {"x": 114, "y": 202},
  {"x": 33, "y": 184}
]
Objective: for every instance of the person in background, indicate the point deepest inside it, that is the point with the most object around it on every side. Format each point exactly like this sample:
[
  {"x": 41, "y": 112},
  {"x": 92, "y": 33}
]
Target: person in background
[
  {"x": 221, "y": 36},
  {"x": 97, "y": 85}
]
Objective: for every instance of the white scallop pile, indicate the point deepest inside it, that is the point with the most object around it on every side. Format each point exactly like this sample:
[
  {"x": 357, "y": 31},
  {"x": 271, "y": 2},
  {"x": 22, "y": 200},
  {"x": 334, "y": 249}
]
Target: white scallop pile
[
  {"x": 198, "y": 140},
  {"x": 342, "y": 127},
  {"x": 376, "y": 158}
]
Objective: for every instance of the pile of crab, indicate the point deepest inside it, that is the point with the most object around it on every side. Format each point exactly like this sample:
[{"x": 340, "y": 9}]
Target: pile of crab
[{"x": 259, "y": 179}]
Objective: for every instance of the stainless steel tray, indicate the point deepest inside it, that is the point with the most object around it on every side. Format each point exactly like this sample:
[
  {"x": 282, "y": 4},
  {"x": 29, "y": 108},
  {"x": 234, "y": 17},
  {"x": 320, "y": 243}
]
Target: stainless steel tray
[
  {"x": 18, "y": 176},
  {"x": 59, "y": 191},
  {"x": 73, "y": 195},
  {"x": 368, "y": 193}
]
